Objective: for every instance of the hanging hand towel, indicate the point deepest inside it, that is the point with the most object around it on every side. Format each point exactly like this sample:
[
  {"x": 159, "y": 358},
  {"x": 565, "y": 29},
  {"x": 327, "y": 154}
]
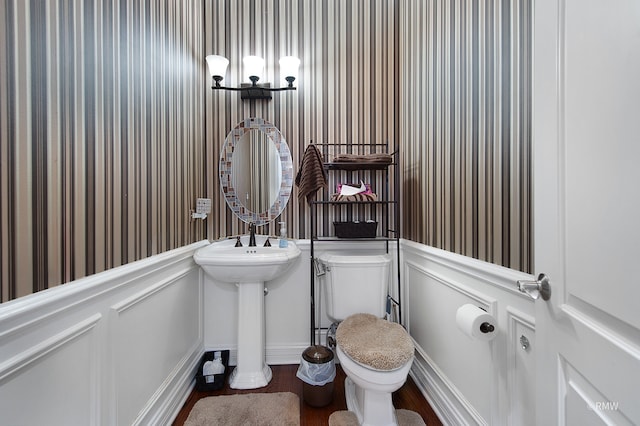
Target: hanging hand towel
[{"x": 311, "y": 175}]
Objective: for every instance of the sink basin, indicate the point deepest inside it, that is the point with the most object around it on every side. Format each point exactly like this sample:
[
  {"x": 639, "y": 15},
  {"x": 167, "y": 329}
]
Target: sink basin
[
  {"x": 224, "y": 262},
  {"x": 248, "y": 268}
]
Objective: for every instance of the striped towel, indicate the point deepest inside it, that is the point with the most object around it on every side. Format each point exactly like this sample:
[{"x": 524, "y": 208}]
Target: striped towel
[{"x": 311, "y": 175}]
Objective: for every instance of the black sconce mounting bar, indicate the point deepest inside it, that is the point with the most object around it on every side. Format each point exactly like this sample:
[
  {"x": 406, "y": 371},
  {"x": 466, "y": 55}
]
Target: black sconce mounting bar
[{"x": 253, "y": 90}]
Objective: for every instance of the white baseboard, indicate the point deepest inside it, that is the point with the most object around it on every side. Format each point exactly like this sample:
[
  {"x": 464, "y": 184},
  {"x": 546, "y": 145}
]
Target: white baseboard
[
  {"x": 168, "y": 400},
  {"x": 283, "y": 355},
  {"x": 447, "y": 402},
  {"x": 275, "y": 355}
]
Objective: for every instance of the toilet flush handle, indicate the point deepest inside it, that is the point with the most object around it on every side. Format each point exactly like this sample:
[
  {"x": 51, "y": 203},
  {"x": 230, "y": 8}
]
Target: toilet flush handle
[{"x": 321, "y": 268}]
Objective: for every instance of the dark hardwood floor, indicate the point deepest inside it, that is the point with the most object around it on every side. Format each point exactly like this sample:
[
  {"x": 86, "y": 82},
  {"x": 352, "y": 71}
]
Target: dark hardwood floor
[{"x": 284, "y": 380}]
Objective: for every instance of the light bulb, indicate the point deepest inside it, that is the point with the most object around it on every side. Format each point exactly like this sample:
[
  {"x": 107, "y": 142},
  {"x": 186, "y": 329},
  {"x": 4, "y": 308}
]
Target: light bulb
[
  {"x": 253, "y": 66},
  {"x": 217, "y": 65},
  {"x": 289, "y": 67}
]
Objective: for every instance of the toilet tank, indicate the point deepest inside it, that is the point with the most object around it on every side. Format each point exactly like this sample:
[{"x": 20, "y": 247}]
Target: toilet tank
[{"x": 355, "y": 284}]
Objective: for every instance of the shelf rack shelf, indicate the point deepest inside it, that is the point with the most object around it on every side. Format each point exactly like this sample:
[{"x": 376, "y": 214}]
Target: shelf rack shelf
[{"x": 384, "y": 210}]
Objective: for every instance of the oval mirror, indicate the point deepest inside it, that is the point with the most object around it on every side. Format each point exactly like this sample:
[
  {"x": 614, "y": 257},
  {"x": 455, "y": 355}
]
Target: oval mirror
[{"x": 256, "y": 171}]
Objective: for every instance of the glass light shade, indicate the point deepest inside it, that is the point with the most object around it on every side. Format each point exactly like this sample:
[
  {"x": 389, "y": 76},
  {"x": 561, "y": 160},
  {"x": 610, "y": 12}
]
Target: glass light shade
[
  {"x": 253, "y": 66},
  {"x": 217, "y": 65},
  {"x": 289, "y": 66}
]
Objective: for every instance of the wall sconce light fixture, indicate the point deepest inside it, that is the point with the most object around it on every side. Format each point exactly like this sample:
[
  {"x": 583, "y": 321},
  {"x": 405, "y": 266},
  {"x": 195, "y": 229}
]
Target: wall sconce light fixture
[{"x": 253, "y": 68}]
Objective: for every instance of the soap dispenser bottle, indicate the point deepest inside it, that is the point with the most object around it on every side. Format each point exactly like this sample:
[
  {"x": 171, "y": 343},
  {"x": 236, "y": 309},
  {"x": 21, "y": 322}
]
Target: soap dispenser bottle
[{"x": 283, "y": 235}]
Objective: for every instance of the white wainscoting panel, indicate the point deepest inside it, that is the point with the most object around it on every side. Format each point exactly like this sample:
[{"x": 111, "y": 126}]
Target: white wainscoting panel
[
  {"x": 121, "y": 347},
  {"x": 468, "y": 381},
  {"x": 154, "y": 331},
  {"x": 432, "y": 305},
  {"x": 57, "y": 377},
  {"x": 118, "y": 347},
  {"x": 287, "y": 307},
  {"x": 521, "y": 371}
]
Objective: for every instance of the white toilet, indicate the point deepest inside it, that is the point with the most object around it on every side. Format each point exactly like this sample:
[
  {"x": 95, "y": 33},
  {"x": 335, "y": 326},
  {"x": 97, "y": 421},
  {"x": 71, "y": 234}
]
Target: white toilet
[{"x": 375, "y": 354}]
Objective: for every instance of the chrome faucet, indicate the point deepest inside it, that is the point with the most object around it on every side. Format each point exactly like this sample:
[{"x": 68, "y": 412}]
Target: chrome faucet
[{"x": 252, "y": 234}]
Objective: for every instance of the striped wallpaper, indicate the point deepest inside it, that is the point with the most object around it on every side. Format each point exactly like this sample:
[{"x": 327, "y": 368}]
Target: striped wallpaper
[
  {"x": 101, "y": 123},
  {"x": 466, "y": 127},
  {"x": 347, "y": 90},
  {"x": 110, "y": 130},
  {"x": 449, "y": 82}
]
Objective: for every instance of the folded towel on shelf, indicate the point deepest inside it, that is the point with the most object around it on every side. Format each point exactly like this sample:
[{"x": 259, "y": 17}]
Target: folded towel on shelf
[
  {"x": 311, "y": 174},
  {"x": 364, "y": 158}
]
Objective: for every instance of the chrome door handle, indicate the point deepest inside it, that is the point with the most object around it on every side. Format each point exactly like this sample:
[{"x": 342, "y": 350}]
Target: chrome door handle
[{"x": 535, "y": 289}]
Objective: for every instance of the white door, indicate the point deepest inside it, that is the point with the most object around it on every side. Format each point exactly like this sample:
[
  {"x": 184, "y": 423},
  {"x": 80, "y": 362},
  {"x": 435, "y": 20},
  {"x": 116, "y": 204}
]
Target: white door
[{"x": 586, "y": 136}]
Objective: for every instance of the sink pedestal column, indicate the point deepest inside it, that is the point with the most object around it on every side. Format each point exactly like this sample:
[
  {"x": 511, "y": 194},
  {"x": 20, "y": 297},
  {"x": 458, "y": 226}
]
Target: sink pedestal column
[{"x": 251, "y": 370}]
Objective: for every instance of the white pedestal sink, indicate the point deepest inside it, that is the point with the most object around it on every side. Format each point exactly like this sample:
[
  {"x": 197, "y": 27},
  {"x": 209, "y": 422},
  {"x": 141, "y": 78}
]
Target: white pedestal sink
[{"x": 249, "y": 268}]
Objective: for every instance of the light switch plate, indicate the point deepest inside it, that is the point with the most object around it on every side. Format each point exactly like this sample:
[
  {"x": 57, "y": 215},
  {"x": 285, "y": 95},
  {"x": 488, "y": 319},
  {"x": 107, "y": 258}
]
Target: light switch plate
[{"x": 203, "y": 205}]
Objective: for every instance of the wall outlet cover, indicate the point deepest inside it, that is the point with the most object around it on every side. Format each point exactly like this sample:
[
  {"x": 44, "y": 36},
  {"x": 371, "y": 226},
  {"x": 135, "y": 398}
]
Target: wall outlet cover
[{"x": 203, "y": 205}]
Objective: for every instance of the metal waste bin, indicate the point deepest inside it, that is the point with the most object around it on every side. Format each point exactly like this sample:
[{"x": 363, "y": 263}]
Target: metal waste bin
[{"x": 317, "y": 371}]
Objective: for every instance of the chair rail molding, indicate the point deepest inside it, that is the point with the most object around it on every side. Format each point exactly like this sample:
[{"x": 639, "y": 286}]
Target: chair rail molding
[
  {"x": 117, "y": 347},
  {"x": 467, "y": 380}
]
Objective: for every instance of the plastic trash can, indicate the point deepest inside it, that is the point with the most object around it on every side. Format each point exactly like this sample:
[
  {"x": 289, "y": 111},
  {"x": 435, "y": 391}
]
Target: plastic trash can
[
  {"x": 317, "y": 371},
  {"x": 216, "y": 381}
]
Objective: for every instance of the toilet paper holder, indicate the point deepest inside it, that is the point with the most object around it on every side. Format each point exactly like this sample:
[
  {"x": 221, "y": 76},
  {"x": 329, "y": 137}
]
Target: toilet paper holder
[
  {"x": 486, "y": 327},
  {"x": 476, "y": 322}
]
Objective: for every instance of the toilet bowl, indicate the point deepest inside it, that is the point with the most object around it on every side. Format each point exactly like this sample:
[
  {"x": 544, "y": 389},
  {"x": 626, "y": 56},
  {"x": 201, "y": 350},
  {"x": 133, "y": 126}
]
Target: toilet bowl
[{"x": 375, "y": 354}]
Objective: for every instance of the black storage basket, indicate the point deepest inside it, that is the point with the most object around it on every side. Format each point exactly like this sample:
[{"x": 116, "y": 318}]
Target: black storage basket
[
  {"x": 355, "y": 229},
  {"x": 215, "y": 381}
]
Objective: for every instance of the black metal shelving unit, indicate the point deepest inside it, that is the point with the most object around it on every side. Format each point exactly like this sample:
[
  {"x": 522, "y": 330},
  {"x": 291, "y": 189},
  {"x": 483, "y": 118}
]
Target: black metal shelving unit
[{"x": 385, "y": 210}]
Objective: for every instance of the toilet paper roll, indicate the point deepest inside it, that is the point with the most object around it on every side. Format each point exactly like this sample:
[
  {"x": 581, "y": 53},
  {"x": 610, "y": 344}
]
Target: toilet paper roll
[{"x": 476, "y": 323}]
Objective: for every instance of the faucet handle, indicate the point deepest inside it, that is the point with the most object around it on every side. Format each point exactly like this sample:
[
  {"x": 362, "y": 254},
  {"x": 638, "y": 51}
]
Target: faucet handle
[
  {"x": 238, "y": 242},
  {"x": 252, "y": 234},
  {"x": 267, "y": 243}
]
